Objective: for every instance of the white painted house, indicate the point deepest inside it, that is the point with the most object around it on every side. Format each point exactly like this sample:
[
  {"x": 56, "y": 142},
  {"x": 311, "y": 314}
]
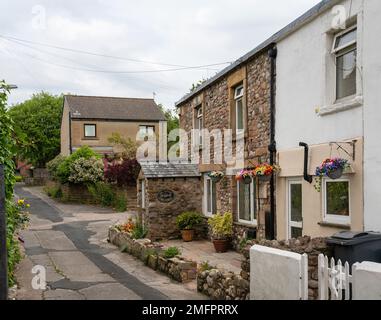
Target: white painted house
[{"x": 328, "y": 96}]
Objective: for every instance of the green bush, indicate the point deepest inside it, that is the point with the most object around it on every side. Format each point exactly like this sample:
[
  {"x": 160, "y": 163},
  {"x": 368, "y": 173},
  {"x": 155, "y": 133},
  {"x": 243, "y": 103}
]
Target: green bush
[
  {"x": 171, "y": 252},
  {"x": 221, "y": 225},
  {"x": 53, "y": 192},
  {"x": 102, "y": 193},
  {"x": 19, "y": 178},
  {"x": 205, "y": 266},
  {"x": 187, "y": 220},
  {"x": 84, "y": 171},
  {"x": 53, "y": 165},
  {"x": 120, "y": 203},
  {"x": 63, "y": 169},
  {"x": 139, "y": 231}
]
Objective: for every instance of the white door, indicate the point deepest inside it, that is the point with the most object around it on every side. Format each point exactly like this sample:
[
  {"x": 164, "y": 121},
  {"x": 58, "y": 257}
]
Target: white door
[{"x": 295, "y": 208}]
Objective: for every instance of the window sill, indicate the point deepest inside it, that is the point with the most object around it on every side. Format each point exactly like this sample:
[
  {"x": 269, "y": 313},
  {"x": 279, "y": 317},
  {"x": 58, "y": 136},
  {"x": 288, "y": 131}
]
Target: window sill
[
  {"x": 334, "y": 225},
  {"x": 245, "y": 224},
  {"x": 90, "y": 138},
  {"x": 342, "y": 105}
]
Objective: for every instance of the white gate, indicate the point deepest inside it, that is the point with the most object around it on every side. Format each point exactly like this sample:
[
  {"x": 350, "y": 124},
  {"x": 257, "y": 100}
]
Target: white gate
[{"x": 334, "y": 279}]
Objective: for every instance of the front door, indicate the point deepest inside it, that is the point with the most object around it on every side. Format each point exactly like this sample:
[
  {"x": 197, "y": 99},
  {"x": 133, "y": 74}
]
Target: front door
[{"x": 295, "y": 208}]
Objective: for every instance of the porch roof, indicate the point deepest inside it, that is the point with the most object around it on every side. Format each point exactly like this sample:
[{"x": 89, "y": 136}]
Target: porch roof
[{"x": 169, "y": 170}]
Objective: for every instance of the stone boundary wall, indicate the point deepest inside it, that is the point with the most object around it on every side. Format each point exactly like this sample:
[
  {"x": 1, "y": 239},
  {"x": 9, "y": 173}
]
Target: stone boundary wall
[
  {"x": 219, "y": 285},
  {"x": 149, "y": 252},
  {"x": 37, "y": 177},
  {"x": 312, "y": 247}
]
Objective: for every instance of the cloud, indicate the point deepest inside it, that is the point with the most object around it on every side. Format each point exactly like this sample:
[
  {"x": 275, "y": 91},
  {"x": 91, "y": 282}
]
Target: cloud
[{"x": 188, "y": 33}]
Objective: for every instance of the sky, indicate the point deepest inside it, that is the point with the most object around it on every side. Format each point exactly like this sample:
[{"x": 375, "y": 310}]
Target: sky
[{"x": 125, "y": 48}]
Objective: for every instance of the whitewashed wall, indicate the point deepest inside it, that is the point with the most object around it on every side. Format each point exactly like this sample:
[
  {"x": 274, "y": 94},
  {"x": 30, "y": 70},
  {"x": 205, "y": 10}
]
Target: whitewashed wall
[
  {"x": 372, "y": 114},
  {"x": 302, "y": 89}
]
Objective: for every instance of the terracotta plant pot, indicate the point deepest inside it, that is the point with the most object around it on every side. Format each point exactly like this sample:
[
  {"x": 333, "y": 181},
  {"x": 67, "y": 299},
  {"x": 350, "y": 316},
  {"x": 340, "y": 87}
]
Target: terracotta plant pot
[
  {"x": 336, "y": 174},
  {"x": 187, "y": 235},
  {"x": 221, "y": 246}
]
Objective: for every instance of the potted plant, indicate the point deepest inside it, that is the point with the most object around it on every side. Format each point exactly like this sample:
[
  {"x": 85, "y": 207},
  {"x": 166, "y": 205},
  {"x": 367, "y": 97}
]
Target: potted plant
[
  {"x": 265, "y": 171},
  {"x": 216, "y": 176},
  {"x": 332, "y": 168},
  {"x": 222, "y": 230},
  {"x": 246, "y": 176},
  {"x": 186, "y": 222}
]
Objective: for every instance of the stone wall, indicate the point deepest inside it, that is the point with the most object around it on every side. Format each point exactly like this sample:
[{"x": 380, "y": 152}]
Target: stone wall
[
  {"x": 37, "y": 177},
  {"x": 220, "y": 285},
  {"x": 160, "y": 217},
  {"x": 312, "y": 247},
  {"x": 217, "y": 101},
  {"x": 150, "y": 253}
]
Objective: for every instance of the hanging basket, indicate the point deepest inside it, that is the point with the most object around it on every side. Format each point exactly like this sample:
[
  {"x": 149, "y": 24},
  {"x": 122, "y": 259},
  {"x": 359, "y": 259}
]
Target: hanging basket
[
  {"x": 336, "y": 174},
  {"x": 264, "y": 178},
  {"x": 247, "y": 180},
  {"x": 216, "y": 179}
]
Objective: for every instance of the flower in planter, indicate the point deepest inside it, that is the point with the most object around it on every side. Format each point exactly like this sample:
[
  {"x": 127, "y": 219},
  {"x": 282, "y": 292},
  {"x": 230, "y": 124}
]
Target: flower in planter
[
  {"x": 216, "y": 175},
  {"x": 332, "y": 168},
  {"x": 265, "y": 170},
  {"x": 244, "y": 174}
]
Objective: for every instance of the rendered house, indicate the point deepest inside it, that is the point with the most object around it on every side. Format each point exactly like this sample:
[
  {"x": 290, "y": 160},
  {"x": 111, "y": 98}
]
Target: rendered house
[
  {"x": 327, "y": 97},
  {"x": 91, "y": 121}
]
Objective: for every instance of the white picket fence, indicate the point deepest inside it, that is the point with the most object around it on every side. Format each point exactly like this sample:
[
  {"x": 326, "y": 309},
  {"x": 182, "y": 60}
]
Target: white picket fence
[{"x": 334, "y": 279}]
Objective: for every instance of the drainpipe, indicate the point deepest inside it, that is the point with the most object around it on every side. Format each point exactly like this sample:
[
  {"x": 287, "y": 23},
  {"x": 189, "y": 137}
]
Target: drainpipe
[
  {"x": 271, "y": 233},
  {"x": 307, "y": 177},
  {"x": 70, "y": 144}
]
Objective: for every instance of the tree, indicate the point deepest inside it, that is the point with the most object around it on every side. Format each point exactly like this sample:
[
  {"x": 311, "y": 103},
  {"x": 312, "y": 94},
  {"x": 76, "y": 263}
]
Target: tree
[
  {"x": 172, "y": 122},
  {"x": 129, "y": 146},
  {"x": 196, "y": 85},
  {"x": 38, "y": 126}
]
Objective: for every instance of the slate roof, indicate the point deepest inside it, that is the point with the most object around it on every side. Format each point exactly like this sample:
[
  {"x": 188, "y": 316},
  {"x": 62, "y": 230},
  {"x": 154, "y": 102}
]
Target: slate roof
[
  {"x": 169, "y": 170},
  {"x": 110, "y": 108},
  {"x": 280, "y": 35}
]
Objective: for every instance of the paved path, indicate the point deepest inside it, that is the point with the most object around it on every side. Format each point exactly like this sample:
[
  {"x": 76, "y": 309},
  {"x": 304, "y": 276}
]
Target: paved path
[{"x": 70, "y": 242}]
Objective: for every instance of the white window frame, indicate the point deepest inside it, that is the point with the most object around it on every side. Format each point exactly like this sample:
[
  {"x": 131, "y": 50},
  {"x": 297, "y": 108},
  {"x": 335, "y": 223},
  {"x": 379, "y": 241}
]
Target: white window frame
[
  {"x": 253, "y": 221},
  {"x": 349, "y": 44},
  {"x": 90, "y": 125},
  {"x": 335, "y": 219},
  {"x": 200, "y": 123},
  {"x": 205, "y": 197},
  {"x": 340, "y": 51},
  {"x": 143, "y": 194},
  {"x": 290, "y": 223},
  {"x": 238, "y": 96}
]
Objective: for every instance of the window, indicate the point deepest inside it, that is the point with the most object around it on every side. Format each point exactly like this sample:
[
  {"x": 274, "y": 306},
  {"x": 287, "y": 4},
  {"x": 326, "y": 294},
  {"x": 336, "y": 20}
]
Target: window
[
  {"x": 345, "y": 51},
  {"x": 210, "y": 206},
  {"x": 247, "y": 211},
  {"x": 295, "y": 206},
  {"x": 146, "y": 131},
  {"x": 337, "y": 201},
  {"x": 239, "y": 110},
  {"x": 143, "y": 194},
  {"x": 198, "y": 122},
  {"x": 90, "y": 130}
]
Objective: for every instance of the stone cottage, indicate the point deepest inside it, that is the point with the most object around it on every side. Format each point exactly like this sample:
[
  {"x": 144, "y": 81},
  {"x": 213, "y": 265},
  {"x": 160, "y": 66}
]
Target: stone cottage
[{"x": 239, "y": 98}]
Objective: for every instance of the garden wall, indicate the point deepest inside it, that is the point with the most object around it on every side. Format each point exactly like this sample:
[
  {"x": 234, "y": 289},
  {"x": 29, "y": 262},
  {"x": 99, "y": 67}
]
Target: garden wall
[
  {"x": 38, "y": 177},
  {"x": 177, "y": 268},
  {"x": 312, "y": 247}
]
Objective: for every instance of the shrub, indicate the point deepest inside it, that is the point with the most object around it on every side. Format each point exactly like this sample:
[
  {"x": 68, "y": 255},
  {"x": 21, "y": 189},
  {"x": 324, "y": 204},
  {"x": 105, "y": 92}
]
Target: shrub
[
  {"x": 63, "y": 170},
  {"x": 102, "y": 193},
  {"x": 53, "y": 165},
  {"x": 139, "y": 231},
  {"x": 120, "y": 203},
  {"x": 84, "y": 170},
  {"x": 205, "y": 266},
  {"x": 221, "y": 225},
  {"x": 124, "y": 173},
  {"x": 171, "y": 252},
  {"x": 19, "y": 178},
  {"x": 54, "y": 192},
  {"x": 187, "y": 220}
]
